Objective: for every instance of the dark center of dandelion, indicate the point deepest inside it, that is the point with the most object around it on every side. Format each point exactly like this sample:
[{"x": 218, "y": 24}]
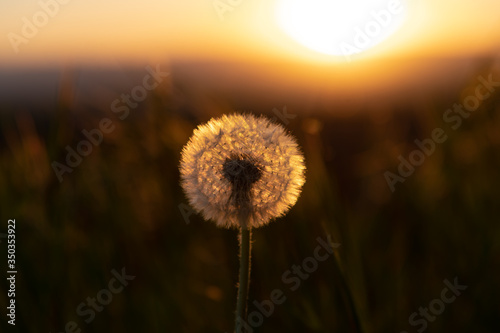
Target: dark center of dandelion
[{"x": 242, "y": 173}]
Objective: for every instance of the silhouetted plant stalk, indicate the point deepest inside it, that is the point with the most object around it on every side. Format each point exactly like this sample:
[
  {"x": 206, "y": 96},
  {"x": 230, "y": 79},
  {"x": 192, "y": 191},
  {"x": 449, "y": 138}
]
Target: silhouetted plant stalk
[{"x": 244, "y": 276}]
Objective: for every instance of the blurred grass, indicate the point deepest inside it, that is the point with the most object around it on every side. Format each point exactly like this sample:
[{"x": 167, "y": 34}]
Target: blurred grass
[{"x": 119, "y": 208}]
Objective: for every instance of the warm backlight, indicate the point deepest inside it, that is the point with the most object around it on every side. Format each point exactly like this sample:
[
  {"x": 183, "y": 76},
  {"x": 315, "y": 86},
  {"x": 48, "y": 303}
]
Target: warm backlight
[{"x": 340, "y": 27}]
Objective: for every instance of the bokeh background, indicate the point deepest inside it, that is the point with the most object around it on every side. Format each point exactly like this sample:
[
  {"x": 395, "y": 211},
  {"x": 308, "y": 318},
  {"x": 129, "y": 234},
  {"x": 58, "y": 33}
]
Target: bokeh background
[{"x": 122, "y": 206}]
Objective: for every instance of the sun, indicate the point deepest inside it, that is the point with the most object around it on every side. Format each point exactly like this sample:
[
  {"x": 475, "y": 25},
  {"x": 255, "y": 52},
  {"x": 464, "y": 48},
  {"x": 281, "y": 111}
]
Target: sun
[{"x": 340, "y": 27}]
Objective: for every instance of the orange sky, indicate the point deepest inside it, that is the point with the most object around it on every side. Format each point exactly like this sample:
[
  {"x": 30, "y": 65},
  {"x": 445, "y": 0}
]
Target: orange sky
[{"x": 153, "y": 30}]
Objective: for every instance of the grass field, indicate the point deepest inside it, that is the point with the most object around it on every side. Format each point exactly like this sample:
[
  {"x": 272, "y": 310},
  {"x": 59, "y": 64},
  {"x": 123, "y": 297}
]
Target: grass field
[{"x": 122, "y": 207}]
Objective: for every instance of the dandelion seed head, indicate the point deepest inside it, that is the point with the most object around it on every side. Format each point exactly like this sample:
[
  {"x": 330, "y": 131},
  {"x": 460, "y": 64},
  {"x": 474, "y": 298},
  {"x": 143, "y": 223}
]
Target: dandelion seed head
[{"x": 241, "y": 164}]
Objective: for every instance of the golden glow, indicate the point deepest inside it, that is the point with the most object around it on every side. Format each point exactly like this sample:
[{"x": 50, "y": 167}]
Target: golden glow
[
  {"x": 260, "y": 30},
  {"x": 343, "y": 27}
]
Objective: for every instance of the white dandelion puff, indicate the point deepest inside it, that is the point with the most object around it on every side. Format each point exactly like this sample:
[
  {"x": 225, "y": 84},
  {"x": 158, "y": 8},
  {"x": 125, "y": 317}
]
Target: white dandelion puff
[{"x": 242, "y": 165}]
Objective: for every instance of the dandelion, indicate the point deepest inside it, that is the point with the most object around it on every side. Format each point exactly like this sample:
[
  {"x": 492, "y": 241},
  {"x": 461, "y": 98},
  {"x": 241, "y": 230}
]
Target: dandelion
[
  {"x": 241, "y": 171},
  {"x": 241, "y": 163}
]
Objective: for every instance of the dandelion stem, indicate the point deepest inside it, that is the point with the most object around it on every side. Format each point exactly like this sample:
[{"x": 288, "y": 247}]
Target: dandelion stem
[{"x": 244, "y": 280}]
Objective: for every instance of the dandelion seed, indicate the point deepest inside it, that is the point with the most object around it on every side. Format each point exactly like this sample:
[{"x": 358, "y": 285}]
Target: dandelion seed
[
  {"x": 242, "y": 171},
  {"x": 241, "y": 168}
]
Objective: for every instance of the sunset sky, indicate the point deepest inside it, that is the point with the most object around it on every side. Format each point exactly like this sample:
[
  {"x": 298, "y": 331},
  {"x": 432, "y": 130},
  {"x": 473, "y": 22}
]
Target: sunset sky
[{"x": 94, "y": 31}]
